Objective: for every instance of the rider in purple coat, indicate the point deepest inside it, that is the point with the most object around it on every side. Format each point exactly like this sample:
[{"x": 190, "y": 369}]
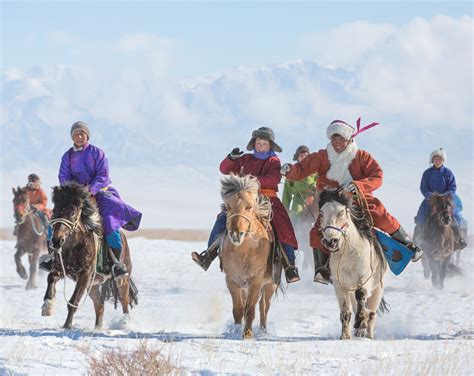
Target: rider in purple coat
[{"x": 87, "y": 164}]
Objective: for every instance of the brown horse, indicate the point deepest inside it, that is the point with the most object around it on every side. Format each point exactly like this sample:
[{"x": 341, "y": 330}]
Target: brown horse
[
  {"x": 76, "y": 239},
  {"x": 30, "y": 235},
  {"x": 246, "y": 251},
  {"x": 438, "y": 241}
]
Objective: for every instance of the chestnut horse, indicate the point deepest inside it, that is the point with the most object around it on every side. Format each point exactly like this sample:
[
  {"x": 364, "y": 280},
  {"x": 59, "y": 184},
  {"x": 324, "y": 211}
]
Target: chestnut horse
[
  {"x": 76, "y": 240},
  {"x": 246, "y": 255},
  {"x": 30, "y": 235}
]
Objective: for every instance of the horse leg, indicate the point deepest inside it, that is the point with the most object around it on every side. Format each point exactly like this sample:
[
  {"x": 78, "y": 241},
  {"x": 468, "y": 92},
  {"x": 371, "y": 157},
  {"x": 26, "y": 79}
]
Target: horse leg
[
  {"x": 50, "y": 296},
  {"x": 264, "y": 305},
  {"x": 73, "y": 303},
  {"x": 361, "y": 316},
  {"x": 20, "y": 269},
  {"x": 442, "y": 272},
  {"x": 426, "y": 266},
  {"x": 33, "y": 259},
  {"x": 237, "y": 306},
  {"x": 252, "y": 298},
  {"x": 96, "y": 297},
  {"x": 435, "y": 269},
  {"x": 124, "y": 297},
  {"x": 373, "y": 304},
  {"x": 344, "y": 300}
]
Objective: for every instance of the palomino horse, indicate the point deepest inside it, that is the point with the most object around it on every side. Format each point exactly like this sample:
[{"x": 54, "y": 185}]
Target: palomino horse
[
  {"x": 76, "y": 239},
  {"x": 246, "y": 251},
  {"x": 31, "y": 237},
  {"x": 357, "y": 264},
  {"x": 438, "y": 240}
]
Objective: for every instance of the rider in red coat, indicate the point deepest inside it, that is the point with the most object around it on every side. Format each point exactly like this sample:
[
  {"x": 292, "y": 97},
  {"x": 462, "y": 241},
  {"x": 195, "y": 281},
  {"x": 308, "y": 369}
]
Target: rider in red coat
[
  {"x": 342, "y": 163},
  {"x": 264, "y": 164}
]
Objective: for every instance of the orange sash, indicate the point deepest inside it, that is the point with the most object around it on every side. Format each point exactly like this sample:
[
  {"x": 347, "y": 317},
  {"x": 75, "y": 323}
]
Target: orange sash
[{"x": 268, "y": 192}]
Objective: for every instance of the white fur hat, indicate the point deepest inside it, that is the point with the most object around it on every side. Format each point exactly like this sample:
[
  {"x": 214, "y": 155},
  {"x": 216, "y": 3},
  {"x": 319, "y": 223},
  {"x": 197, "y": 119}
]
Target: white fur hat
[
  {"x": 341, "y": 128},
  {"x": 438, "y": 153}
]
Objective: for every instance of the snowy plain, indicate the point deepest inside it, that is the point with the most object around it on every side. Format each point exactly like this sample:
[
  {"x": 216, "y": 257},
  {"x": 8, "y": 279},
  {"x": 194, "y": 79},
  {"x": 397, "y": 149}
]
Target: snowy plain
[{"x": 187, "y": 313}]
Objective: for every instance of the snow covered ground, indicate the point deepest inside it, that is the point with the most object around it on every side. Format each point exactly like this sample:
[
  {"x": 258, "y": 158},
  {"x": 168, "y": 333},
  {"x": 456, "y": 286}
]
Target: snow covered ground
[{"x": 187, "y": 313}]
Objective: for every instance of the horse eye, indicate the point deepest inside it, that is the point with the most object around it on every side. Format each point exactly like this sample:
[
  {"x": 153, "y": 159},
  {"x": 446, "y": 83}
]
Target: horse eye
[
  {"x": 249, "y": 207},
  {"x": 341, "y": 213}
]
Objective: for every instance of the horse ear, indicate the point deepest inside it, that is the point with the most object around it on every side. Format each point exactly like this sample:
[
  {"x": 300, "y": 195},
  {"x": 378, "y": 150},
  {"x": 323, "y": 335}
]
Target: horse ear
[{"x": 13, "y": 190}]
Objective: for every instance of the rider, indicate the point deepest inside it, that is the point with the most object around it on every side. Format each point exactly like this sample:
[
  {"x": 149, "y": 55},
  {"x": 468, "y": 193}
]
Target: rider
[
  {"x": 87, "y": 164},
  {"x": 264, "y": 164},
  {"x": 297, "y": 194},
  {"x": 342, "y": 163},
  {"x": 38, "y": 200},
  {"x": 439, "y": 179}
]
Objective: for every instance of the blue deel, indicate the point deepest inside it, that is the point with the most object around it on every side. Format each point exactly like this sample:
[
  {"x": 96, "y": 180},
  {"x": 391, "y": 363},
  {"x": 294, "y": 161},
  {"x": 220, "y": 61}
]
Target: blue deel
[{"x": 397, "y": 255}]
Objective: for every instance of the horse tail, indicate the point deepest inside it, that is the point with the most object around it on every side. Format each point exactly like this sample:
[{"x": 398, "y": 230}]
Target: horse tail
[
  {"x": 110, "y": 290},
  {"x": 453, "y": 270},
  {"x": 384, "y": 307}
]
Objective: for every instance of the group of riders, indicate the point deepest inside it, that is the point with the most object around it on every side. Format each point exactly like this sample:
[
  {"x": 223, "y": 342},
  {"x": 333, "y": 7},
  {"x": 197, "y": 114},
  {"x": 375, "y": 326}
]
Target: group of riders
[{"x": 340, "y": 164}]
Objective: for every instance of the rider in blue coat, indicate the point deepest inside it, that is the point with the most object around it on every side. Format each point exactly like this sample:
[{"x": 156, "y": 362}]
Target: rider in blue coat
[{"x": 439, "y": 179}]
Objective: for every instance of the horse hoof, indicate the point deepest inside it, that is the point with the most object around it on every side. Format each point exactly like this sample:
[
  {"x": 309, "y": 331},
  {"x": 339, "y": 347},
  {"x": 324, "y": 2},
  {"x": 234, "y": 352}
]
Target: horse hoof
[
  {"x": 361, "y": 333},
  {"x": 23, "y": 274},
  {"x": 248, "y": 334},
  {"x": 345, "y": 337},
  {"x": 49, "y": 311},
  {"x": 67, "y": 326}
]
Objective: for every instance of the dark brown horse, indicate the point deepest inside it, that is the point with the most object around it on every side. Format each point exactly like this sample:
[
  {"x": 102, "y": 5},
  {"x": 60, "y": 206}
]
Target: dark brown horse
[
  {"x": 438, "y": 241},
  {"x": 30, "y": 235},
  {"x": 76, "y": 240}
]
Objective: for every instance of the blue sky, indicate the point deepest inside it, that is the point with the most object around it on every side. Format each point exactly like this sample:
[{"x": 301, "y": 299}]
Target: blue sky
[{"x": 200, "y": 38}]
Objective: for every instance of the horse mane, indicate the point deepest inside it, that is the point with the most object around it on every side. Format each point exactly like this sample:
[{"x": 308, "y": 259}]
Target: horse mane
[
  {"x": 233, "y": 184},
  {"x": 359, "y": 217},
  {"x": 73, "y": 193}
]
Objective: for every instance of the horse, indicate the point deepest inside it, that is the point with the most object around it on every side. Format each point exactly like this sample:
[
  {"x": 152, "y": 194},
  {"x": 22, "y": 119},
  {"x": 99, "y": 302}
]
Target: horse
[
  {"x": 246, "y": 256},
  {"x": 30, "y": 234},
  {"x": 76, "y": 240},
  {"x": 357, "y": 264},
  {"x": 438, "y": 240}
]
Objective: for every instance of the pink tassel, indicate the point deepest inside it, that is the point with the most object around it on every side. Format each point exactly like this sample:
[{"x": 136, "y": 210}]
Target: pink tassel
[{"x": 364, "y": 128}]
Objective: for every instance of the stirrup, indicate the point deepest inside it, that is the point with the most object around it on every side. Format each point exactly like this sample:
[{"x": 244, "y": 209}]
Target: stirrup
[
  {"x": 203, "y": 259},
  {"x": 119, "y": 270},
  {"x": 417, "y": 253}
]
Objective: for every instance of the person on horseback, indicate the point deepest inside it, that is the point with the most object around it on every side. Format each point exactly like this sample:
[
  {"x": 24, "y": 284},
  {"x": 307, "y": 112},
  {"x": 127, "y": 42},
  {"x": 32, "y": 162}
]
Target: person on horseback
[
  {"x": 38, "y": 200},
  {"x": 342, "y": 163},
  {"x": 439, "y": 179},
  {"x": 298, "y": 194},
  {"x": 87, "y": 164},
  {"x": 264, "y": 164}
]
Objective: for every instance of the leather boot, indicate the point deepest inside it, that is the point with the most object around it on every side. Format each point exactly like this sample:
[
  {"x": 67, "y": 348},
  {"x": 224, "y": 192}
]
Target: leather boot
[
  {"x": 205, "y": 258},
  {"x": 460, "y": 242},
  {"x": 291, "y": 273},
  {"x": 321, "y": 267},
  {"x": 401, "y": 236}
]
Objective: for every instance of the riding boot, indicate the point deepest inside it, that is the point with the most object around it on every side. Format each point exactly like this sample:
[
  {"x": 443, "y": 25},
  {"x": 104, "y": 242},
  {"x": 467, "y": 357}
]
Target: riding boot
[
  {"x": 205, "y": 258},
  {"x": 46, "y": 263},
  {"x": 291, "y": 270},
  {"x": 291, "y": 273},
  {"x": 15, "y": 230},
  {"x": 321, "y": 267},
  {"x": 460, "y": 242},
  {"x": 119, "y": 270},
  {"x": 401, "y": 236}
]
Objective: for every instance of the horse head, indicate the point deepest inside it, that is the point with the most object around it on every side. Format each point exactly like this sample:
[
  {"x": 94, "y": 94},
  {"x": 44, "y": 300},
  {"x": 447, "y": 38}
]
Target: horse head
[
  {"x": 442, "y": 209},
  {"x": 334, "y": 209},
  {"x": 21, "y": 203},
  {"x": 73, "y": 210},
  {"x": 240, "y": 196}
]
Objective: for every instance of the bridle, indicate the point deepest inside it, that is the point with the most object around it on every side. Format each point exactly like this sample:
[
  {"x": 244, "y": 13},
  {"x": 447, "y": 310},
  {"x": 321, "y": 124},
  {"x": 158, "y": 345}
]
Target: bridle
[{"x": 249, "y": 220}]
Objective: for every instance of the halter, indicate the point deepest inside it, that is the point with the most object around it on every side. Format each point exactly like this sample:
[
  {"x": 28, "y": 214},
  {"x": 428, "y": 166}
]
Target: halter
[
  {"x": 66, "y": 222},
  {"x": 340, "y": 229},
  {"x": 250, "y": 220}
]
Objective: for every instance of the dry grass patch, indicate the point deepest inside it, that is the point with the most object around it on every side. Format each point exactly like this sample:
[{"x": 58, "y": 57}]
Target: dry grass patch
[{"x": 144, "y": 360}]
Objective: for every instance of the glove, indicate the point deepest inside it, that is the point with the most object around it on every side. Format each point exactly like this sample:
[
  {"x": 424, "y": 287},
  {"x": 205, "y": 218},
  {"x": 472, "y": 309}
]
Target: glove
[
  {"x": 351, "y": 187},
  {"x": 236, "y": 153},
  {"x": 286, "y": 168}
]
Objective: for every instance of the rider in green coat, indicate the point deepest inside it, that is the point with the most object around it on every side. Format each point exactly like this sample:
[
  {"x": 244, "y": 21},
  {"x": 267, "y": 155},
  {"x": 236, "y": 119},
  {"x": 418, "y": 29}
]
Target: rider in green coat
[{"x": 296, "y": 193}]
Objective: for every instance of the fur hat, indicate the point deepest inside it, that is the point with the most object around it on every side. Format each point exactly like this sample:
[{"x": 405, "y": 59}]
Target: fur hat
[
  {"x": 267, "y": 134},
  {"x": 301, "y": 149},
  {"x": 80, "y": 126},
  {"x": 33, "y": 178},
  {"x": 341, "y": 128},
  {"x": 438, "y": 153}
]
